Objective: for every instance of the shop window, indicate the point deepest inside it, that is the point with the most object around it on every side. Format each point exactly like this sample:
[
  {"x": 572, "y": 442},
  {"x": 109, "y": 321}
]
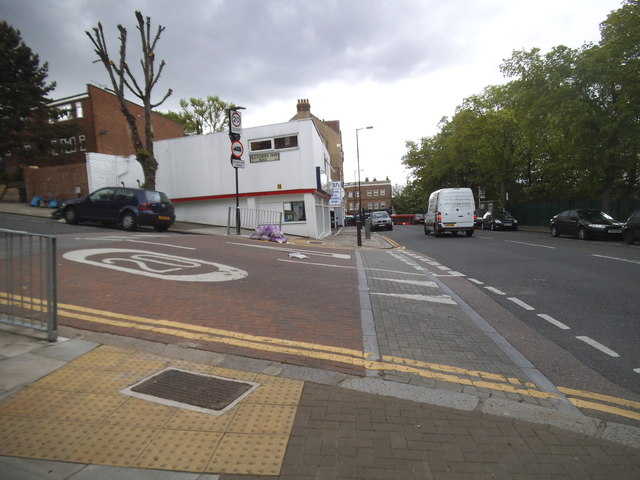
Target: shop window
[{"x": 294, "y": 212}]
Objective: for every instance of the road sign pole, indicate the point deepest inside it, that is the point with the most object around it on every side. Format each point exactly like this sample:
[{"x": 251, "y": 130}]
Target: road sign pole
[
  {"x": 237, "y": 205},
  {"x": 235, "y": 131}
]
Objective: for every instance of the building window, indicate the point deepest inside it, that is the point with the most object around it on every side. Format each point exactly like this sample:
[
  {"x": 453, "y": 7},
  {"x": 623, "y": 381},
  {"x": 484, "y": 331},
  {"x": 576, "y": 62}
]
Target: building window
[
  {"x": 79, "y": 113},
  {"x": 370, "y": 206},
  {"x": 376, "y": 205},
  {"x": 68, "y": 145},
  {"x": 294, "y": 212},
  {"x": 375, "y": 193},
  {"x": 382, "y": 192},
  {"x": 383, "y": 205},
  {"x": 279, "y": 143},
  {"x": 350, "y": 194},
  {"x": 285, "y": 142},
  {"x": 369, "y": 193},
  {"x": 259, "y": 145}
]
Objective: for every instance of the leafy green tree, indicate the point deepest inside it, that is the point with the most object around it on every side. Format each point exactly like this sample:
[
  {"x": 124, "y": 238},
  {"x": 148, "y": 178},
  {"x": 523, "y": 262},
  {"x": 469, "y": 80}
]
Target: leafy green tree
[
  {"x": 410, "y": 198},
  {"x": 23, "y": 90},
  {"x": 121, "y": 76},
  {"x": 202, "y": 115}
]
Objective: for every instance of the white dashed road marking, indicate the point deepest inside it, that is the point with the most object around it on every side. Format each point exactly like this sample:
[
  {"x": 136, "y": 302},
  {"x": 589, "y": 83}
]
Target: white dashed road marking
[
  {"x": 520, "y": 303},
  {"x": 495, "y": 290},
  {"x": 598, "y": 346},
  {"x": 553, "y": 321}
]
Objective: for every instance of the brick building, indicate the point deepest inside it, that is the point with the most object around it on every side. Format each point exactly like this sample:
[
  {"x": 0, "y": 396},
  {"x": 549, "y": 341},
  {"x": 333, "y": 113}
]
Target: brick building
[
  {"x": 60, "y": 172},
  {"x": 376, "y": 195},
  {"x": 329, "y": 130}
]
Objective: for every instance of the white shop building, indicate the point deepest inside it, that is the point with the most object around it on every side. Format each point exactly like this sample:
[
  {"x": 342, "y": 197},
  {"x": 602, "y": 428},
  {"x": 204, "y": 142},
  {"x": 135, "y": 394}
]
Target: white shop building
[{"x": 287, "y": 169}]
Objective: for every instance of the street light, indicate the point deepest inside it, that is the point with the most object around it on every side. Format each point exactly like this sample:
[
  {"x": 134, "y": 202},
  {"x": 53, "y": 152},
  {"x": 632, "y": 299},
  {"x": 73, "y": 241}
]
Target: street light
[{"x": 359, "y": 220}]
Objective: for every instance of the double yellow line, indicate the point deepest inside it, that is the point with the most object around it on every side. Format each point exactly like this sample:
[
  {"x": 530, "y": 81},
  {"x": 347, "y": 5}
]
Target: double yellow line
[{"x": 347, "y": 356}]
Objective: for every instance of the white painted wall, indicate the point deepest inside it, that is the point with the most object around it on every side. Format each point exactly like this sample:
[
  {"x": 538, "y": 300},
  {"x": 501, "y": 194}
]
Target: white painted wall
[{"x": 196, "y": 173}]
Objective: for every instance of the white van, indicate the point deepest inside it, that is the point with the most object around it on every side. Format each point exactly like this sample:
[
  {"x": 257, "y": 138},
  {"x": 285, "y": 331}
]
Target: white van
[{"x": 450, "y": 210}]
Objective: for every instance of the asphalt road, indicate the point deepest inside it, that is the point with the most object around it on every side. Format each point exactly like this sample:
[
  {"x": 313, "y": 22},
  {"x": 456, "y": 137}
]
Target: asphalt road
[{"x": 581, "y": 295}]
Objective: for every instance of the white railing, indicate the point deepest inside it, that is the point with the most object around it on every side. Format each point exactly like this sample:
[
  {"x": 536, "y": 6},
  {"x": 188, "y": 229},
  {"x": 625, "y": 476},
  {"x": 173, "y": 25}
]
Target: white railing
[{"x": 250, "y": 219}]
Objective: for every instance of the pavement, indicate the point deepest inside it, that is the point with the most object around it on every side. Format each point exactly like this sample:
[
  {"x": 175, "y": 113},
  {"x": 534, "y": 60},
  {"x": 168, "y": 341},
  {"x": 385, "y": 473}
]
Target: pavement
[{"x": 411, "y": 384}]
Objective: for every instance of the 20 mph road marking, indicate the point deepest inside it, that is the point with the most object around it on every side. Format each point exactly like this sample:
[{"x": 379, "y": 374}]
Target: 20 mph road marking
[{"x": 599, "y": 346}]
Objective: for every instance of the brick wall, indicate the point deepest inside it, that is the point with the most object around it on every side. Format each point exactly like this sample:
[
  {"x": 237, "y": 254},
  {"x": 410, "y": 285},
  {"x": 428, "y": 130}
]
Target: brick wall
[
  {"x": 56, "y": 182},
  {"x": 112, "y": 134}
]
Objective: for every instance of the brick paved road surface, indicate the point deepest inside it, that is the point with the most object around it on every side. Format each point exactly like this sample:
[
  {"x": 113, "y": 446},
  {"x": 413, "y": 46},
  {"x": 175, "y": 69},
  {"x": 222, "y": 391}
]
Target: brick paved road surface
[{"x": 341, "y": 434}]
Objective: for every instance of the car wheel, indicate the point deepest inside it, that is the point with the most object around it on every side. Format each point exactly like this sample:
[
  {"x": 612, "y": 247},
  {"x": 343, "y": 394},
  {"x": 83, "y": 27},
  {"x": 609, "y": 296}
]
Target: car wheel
[
  {"x": 436, "y": 233},
  {"x": 628, "y": 237},
  {"x": 129, "y": 222},
  {"x": 554, "y": 232},
  {"x": 582, "y": 234},
  {"x": 71, "y": 216}
]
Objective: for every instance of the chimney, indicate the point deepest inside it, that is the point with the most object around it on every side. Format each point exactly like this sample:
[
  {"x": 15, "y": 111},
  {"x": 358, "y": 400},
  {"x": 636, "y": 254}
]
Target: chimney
[{"x": 304, "y": 106}]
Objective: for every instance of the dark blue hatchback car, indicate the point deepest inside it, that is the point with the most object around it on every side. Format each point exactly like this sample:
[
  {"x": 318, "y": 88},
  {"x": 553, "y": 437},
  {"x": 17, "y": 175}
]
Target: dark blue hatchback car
[{"x": 129, "y": 207}]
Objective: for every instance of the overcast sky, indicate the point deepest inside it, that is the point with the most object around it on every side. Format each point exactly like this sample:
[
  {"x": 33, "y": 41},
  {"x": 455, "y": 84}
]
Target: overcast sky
[{"x": 396, "y": 65}]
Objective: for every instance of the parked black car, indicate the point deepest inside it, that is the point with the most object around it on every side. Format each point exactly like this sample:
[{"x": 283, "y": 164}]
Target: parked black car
[
  {"x": 129, "y": 207},
  {"x": 631, "y": 229},
  {"x": 585, "y": 223},
  {"x": 499, "y": 220}
]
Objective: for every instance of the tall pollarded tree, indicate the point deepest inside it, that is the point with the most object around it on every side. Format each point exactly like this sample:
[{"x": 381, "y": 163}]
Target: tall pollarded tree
[{"x": 121, "y": 76}]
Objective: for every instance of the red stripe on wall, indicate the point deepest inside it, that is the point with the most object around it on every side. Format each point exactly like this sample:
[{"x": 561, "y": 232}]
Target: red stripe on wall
[{"x": 252, "y": 194}]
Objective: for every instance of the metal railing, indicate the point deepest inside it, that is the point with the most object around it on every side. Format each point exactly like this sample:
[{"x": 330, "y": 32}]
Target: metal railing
[
  {"x": 28, "y": 281},
  {"x": 250, "y": 219}
]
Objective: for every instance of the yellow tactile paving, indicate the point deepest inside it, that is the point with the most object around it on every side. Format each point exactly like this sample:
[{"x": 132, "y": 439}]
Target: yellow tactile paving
[
  {"x": 180, "y": 450},
  {"x": 12, "y": 425},
  {"x": 32, "y": 402},
  {"x": 46, "y": 439},
  {"x": 268, "y": 419},
  {"x": 112, "y": 445},
  {"x": 77, "y": 414},
  {"x": 248, "y": 454},
  {"x": 138, "y": 413},
  {"x": 197, "y": 421},
  {"x": 87, "y": 407},
  {"x": 275, "y": 391}
]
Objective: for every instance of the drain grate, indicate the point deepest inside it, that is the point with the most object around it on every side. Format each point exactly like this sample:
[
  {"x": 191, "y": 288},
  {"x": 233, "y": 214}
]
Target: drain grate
[{"x": 194, "y": 391}]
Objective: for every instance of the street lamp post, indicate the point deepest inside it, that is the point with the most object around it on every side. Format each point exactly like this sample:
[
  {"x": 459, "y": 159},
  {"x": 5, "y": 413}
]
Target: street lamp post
[{"x": 359, "y": 220}]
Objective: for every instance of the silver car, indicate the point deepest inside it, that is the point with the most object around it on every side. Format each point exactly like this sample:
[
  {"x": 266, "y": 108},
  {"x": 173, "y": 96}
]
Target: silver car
[{"x": 381, "y": 221}]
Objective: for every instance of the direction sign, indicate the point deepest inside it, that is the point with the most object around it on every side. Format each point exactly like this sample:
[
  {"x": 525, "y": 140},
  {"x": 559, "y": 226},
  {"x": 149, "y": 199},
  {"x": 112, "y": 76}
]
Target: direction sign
[
  {"x": 237, "y": 149},
  {"x": 237, "y": 162}
]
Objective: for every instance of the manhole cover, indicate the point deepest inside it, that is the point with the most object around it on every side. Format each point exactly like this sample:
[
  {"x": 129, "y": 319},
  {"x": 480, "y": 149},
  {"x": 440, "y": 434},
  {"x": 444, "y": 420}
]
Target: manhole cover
[{"x": 193, "y": 391}]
